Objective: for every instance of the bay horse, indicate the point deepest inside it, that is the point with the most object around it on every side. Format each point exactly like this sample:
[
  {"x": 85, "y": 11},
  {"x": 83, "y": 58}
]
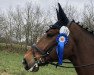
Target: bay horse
[{"x": 79, "y": 49}]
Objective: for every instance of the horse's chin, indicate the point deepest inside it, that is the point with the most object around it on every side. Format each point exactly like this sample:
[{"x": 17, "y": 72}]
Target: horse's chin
[{"x": 34, "y": 68}]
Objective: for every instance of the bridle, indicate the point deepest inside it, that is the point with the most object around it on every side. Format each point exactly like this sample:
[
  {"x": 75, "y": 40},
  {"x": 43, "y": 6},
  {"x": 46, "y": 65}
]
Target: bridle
[{"x": 43, "y": 54}]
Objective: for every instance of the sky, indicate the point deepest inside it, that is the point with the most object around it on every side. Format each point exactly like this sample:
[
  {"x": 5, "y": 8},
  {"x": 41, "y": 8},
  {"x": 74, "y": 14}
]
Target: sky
[{"x": 45, "y": 4}]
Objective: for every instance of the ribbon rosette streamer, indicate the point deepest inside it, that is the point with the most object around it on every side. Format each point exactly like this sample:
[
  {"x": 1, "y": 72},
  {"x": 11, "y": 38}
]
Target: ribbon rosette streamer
[{"x": 62, "y": 40}]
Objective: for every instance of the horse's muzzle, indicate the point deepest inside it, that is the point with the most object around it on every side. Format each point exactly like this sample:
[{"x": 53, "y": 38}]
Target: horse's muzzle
[{"x": 33, "y": 68}]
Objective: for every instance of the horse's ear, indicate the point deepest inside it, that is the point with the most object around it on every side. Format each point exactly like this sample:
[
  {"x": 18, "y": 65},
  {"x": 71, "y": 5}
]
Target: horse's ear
[
  {"x": 57, "y": 14},
  {"x": 62, "y": 16}
]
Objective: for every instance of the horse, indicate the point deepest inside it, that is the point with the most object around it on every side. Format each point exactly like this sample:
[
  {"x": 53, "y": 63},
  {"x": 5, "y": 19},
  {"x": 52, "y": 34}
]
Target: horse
[{"x": 79, "y": 49}]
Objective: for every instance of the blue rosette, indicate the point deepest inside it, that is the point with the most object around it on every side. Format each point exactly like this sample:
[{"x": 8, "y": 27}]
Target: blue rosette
[{"x": 62, "y": 40}]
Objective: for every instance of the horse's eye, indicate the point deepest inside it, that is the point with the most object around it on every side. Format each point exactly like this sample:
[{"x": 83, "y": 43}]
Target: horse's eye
[{"x": 50, "y": 35}]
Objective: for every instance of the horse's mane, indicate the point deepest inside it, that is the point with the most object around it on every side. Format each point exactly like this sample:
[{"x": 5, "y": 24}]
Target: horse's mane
[
  {"x": 58, "y": 25},
  {"x": 82, "y": 26}
]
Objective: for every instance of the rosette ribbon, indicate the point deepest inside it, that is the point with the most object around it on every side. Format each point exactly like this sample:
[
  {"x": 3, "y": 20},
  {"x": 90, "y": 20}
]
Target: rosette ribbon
[{"x": 62, "y": 40}]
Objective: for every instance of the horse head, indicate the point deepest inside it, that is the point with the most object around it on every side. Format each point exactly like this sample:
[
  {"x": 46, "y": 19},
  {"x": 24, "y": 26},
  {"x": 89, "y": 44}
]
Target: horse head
[{"x": 44, "y": 51}]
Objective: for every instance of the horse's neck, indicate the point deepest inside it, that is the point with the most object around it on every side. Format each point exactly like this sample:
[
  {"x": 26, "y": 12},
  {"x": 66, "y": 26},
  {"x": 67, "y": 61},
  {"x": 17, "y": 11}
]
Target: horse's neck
[{"x": 83, "y": 50}]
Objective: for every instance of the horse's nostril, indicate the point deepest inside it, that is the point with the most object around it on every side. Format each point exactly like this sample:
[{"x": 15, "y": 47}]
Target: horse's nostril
[{"x": 24, "y": 62}]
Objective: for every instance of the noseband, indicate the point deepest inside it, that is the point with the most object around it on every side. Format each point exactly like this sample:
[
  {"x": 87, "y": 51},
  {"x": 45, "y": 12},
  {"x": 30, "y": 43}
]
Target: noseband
[{"x": 43, "y": 54}]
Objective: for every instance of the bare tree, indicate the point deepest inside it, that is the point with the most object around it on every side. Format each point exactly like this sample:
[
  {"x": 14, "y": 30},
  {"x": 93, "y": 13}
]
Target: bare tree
[
  {"x": 28, "y": 19},
  {"x": 88, "y": 16},
  {"x": 71, "y": 12},
  {"x": 10, "y": 24},
  {"x": 36, "y": 22},
  {"x": 3, "y": 28},
  {"x": 18, "y": 24}
]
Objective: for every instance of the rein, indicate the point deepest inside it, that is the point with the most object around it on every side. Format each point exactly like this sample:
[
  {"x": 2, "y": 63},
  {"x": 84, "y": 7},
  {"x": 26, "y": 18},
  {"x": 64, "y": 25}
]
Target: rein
[{"x": 82, "y": 66}]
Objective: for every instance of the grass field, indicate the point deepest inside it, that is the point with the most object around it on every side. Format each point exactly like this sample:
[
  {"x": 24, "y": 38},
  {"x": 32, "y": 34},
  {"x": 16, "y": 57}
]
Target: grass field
[{"x": 10, "y": 64}]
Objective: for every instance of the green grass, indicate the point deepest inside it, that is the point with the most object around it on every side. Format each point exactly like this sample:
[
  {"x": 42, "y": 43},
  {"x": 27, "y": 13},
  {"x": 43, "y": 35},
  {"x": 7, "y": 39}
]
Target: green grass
[{"x": 10, "y": 64}]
